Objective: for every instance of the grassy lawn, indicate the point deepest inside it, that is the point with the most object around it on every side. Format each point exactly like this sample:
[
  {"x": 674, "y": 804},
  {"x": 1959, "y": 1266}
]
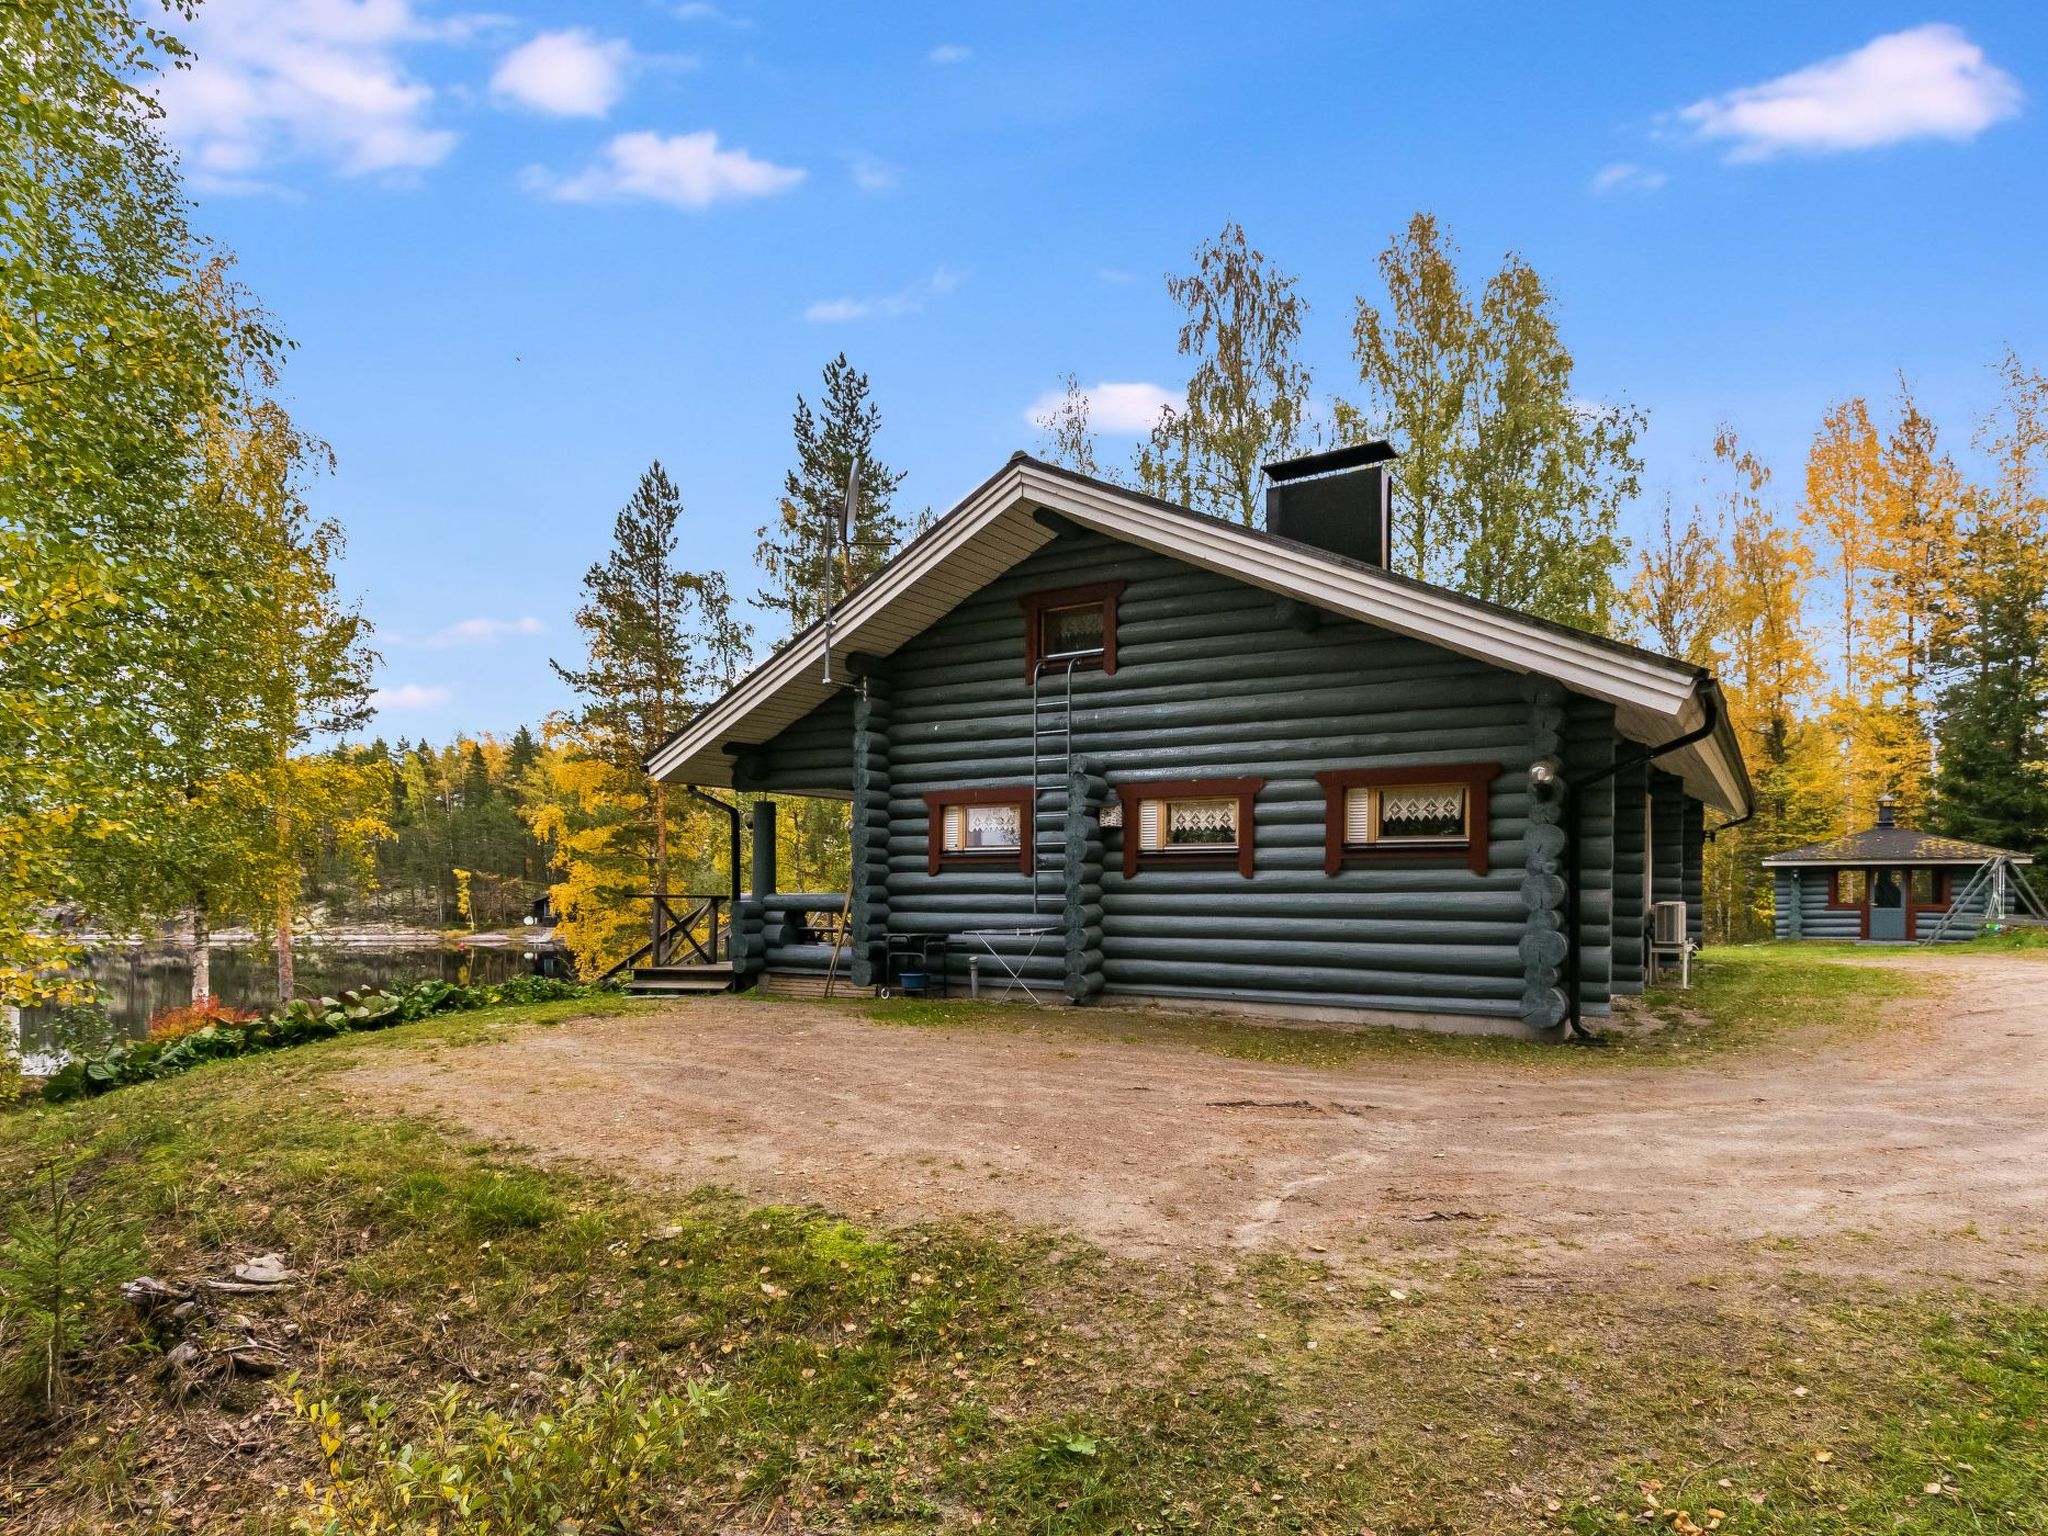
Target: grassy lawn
[
  {"x": 1742, "y": 998},
  {"x": 698, "y": 1364}
]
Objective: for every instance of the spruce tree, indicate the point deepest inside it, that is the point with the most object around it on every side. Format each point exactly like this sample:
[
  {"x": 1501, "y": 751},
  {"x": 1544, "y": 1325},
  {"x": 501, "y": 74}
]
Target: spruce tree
[{"x": 792, "y": 547}]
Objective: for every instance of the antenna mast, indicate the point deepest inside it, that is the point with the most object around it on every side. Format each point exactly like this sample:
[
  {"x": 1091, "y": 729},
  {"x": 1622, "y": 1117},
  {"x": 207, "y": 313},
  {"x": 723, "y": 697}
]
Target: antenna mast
[{"x": 843, "y": 524}]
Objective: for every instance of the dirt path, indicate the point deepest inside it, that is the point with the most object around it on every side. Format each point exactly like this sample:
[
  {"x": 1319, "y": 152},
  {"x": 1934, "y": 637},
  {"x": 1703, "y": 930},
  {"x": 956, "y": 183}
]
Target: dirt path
[{"x": 1919, "y": 1153}]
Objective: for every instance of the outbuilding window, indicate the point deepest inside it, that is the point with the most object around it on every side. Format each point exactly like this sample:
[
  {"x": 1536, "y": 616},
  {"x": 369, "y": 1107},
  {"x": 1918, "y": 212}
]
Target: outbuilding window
[
  {"x": 979, "y": 826},
  {"x": 1193, "y": 821},
  {"x": 1070, "y": 627},
  {"x": 1434, "y": 812},
  {"x": 1851, "y": 887}
]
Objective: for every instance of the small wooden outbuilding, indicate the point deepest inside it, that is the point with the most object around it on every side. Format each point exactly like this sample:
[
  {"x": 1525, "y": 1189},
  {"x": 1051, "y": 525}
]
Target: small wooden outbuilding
[{"x": 1892, "y": 884}]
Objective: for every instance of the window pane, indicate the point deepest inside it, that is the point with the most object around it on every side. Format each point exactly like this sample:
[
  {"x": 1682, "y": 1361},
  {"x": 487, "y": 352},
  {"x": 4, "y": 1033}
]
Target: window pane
[
  {"x": 1071, "y": 631},
  {"x": 1424, "y": 811},
  {"x": 1849, "y": 887},
  {"x": 1201, "y": 823},
  {"x": 1923, "y": 887},
  {"x": 992, "y": 826}
]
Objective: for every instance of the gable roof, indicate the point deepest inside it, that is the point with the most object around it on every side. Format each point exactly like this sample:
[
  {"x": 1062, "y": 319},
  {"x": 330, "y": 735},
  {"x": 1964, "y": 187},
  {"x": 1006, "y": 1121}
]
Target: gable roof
[
  {"x": 1893, "y": 845},
  {"x": 1655, "y": 697}
]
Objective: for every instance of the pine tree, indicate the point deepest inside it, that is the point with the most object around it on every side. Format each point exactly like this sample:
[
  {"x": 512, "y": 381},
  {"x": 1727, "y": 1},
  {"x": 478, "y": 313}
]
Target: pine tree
[
  {"x": 1248, "y": 395},
  {"x": 792, "y": 548},
  {"x": 661, "y": 641},
  {"x": 1992, "y": 785}
]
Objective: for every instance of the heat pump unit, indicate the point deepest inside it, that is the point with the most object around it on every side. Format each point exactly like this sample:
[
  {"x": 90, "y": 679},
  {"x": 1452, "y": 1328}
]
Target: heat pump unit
[{"x": 1667, "y": 922}]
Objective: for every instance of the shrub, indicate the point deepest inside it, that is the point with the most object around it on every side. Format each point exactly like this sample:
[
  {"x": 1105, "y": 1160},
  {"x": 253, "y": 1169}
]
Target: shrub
[
  {"x": 58, "y": 1267},
  {"x": 294, "y": 1024},
  {"x": 594, "y": 1461},
  {"x": 168, "y": 1024}
]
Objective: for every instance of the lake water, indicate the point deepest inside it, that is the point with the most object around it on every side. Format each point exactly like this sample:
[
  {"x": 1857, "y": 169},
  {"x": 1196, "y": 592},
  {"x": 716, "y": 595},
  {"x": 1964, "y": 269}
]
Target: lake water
[{"x": 135, "y": 983}]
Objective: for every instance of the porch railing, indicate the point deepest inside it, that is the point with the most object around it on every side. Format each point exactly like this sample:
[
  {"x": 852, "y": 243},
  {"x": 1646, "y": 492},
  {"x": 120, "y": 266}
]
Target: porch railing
[{"x": 682, "y": 930}]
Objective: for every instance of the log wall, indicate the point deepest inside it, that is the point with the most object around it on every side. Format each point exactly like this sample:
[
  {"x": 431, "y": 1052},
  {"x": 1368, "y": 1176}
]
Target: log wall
[{"x": 1219, "y": 679}]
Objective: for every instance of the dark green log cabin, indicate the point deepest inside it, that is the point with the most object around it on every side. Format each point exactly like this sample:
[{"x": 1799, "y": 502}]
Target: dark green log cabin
[{"x": 1288, "y": 779}]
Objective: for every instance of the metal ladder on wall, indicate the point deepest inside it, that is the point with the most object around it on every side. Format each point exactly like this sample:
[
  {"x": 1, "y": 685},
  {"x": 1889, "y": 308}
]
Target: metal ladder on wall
[
  {"x": 1052, "y": 718},
  {"x": 2000, "y": 881}
]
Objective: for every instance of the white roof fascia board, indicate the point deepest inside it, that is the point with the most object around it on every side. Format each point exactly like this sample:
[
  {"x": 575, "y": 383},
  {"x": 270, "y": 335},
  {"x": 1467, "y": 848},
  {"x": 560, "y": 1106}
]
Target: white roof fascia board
[{"x": 1652, "y": 700}]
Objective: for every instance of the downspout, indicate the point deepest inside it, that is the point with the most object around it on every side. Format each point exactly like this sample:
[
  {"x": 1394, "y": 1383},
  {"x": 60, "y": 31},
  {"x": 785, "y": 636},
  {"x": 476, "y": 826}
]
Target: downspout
[
  {"x": 732, "y": 816},
  {"x": 1574, "y": 1021}
]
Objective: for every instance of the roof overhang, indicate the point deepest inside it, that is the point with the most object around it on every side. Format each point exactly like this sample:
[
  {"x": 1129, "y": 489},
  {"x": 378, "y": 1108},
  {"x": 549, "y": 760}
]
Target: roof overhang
[
  {"x": 1875, "y": 861},
  {"x": 1655, "y": 699}
]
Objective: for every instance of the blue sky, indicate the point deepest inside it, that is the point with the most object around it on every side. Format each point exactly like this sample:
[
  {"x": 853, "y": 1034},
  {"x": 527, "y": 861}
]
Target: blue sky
[{"x": 526, "y": 248}]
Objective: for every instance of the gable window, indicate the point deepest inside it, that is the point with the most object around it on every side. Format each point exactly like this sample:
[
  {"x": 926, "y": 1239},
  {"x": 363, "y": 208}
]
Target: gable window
[
  {"x": 1072, "y": 627},
  {"x": 979, "y": 827},
  {"x": 1193, "y": 821},
  {"x": 1434, "y": 812}
]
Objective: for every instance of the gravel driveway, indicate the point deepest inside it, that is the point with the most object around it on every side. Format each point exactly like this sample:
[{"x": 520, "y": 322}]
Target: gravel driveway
[{"x": 1917, "y": 1152}]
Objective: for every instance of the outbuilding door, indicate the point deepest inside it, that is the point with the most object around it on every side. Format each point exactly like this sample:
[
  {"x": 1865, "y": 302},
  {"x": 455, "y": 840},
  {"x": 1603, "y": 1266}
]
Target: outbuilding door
[{"x": 1888, "y": 904}]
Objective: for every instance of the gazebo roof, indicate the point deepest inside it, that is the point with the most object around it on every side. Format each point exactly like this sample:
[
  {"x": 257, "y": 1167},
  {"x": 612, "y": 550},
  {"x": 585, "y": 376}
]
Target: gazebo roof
[{"x": 1884, "y": 844}]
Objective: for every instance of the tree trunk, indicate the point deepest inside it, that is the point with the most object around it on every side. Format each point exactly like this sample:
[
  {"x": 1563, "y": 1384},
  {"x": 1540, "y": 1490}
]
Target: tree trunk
[
  {"x": 660, "y": 838},
  {"x": 287, "y": 980},
  {"x": 202, "y": 956},
  {"x": 657, "y": 905}
]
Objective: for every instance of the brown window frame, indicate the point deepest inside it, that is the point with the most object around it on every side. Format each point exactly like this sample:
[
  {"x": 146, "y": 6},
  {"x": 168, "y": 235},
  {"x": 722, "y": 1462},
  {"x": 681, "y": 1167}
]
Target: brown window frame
[
  {"x": 1243, "y": 791},
  {"x": 1035, "y": 605},
  {"x": 1473, "y": 851},
  {"x": 1836, "y": 901},
  {"x": 938, "y": 856}
]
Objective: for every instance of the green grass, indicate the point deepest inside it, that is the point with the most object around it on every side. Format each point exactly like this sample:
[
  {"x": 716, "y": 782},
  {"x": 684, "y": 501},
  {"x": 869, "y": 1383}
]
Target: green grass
[
  {"x": 957, "y": 1374},
  {"x": 1742, "y": 997},
  {"x": 2008, "y": 939}
]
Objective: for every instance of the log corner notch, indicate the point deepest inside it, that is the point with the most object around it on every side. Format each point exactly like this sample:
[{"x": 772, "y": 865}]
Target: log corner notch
[{"x": 1544, "y": 946}]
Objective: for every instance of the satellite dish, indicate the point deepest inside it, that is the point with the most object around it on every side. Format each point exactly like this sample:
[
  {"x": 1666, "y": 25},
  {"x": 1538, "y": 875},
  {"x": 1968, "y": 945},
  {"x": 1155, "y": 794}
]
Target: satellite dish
[{"x": 849, "y": 509}]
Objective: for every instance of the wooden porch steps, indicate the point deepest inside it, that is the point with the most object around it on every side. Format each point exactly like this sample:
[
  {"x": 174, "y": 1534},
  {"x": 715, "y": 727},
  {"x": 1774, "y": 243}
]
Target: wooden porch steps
[
  {"x": 680, "y": 980},
  {"x": 807, "y": 984}
]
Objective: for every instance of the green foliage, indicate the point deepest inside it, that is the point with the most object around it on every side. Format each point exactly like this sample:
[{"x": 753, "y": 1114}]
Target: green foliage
[
  {"x": 596, "y": 1459},
  {"x": 1248, "y": 395},
  {"x": 797, "y": 550},
  {"x": 1511, "y": 486},
  {"x": 59, "y": 1266},
  {"x": 296, "y": 1023},
  {"x": 109, "y": 568}
]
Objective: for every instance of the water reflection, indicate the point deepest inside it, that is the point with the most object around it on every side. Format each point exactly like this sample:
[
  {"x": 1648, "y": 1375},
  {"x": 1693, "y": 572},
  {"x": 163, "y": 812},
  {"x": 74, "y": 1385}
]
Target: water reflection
[{"x": 136, "y": 983}]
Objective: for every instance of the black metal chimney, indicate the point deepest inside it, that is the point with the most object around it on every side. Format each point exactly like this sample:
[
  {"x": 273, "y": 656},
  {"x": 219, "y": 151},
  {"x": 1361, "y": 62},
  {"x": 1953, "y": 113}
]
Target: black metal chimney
[
  {"x": 1885, "y": 803},
  {"x": 1340, "y": 501}
]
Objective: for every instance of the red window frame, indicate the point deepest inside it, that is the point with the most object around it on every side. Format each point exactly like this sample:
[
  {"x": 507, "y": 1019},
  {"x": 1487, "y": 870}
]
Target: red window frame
[
  {"x": 938, "y": 856},
  {"x": 1035, "y": 604},
  {"x": 1473, "y": 852},
  {"x": 1243, "y": 791},
  {"x": 1836, "y": 901}
]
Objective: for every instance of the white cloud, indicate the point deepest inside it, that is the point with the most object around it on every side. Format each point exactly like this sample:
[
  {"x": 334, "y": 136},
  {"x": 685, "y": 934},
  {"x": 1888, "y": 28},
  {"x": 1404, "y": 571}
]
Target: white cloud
[
  {"x": 1926, "y": 82},
  {"x": 684, "y": 170},
  {"x": 468, "y": 632},
  {"x": 887, "y": 306},
  {"x": 871, "y": 173},
  {"x": 1627, "y": 176},
  {"x": 316, "y": 80},
  {"x": 1122, "y": 409},
  {"x": 1116, "y": 275},
  {"x": 409, "y": 696},
  {"x": 950, "y": 53},
  {"x": 698, "y": 10},
  {"x": 564, "y": 74}
]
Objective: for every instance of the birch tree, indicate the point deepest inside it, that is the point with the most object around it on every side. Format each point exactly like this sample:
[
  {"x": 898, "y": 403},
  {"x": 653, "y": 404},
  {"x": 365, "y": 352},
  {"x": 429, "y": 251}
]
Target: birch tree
[{"x": 1247, "y": 400}]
